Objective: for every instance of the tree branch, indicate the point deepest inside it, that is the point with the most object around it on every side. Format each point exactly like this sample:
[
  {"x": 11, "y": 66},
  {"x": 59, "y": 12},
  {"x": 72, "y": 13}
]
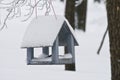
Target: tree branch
[
  {"x": 14, "y": 9},
  {"x": 101, "y": 44},
  {"x": 4, "y": 24},
  {"x": 15, "y": 4}
]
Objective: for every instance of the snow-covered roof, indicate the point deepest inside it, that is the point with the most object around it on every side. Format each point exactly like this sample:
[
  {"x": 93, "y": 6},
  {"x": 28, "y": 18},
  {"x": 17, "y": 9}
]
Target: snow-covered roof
[{"x": 43, "y": 31}]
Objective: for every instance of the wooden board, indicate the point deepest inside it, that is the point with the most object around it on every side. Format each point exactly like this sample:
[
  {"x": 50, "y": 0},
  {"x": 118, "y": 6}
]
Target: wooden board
[{"x": 48, "y": 61}]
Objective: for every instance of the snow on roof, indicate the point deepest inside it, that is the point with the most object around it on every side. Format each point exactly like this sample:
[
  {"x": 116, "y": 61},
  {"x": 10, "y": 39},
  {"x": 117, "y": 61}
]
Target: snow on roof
[{"x": 43, "y": 31}]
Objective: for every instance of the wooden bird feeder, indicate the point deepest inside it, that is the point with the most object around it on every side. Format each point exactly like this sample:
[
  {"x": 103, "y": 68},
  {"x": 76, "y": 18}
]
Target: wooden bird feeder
[{"x": 45, "y": 32}]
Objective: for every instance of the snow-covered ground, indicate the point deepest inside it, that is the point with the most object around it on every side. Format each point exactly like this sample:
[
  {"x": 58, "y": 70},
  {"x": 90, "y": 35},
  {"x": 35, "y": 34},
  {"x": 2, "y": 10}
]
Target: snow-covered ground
[{"x": 89, "y": 65}]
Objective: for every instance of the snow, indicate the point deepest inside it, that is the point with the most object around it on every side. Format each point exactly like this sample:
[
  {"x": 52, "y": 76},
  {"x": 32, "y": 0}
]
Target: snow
[
  {"x": 42, "y": 56},
  {"x": 39, "y": 34},
  {"x": 89, "y": 65},
  {"x": 78, "y": 3},
  {"x": 42, "y": 59},
  {"x": 67, "y": 56}
]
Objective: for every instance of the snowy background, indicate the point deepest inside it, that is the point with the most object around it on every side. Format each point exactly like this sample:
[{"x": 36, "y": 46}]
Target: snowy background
[{"x": 89, "y": 65}]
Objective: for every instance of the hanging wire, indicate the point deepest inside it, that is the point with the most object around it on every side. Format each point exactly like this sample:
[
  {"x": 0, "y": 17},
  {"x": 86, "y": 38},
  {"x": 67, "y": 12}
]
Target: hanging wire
[
  {"x": 36, "y": 10},
  {"x": 50, "y": 2},
  {"x": 0, "y": 13},
  {"x": 0, "y": 18},
  {"x": 47, "y": 8}
]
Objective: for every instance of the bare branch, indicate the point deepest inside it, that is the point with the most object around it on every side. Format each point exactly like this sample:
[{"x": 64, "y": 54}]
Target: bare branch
[
  {"x": 36, "y": 10},
  {"x": 10, "y": 11},
  {"x": 7, "y": 3},
  {"x": 32, "y": 8},
  {"x": 4, "y": 24},
  {"x": 53, "y": 9},
  {"x": 101, "y": 44},
  {"x": 14, "y": 8},
  {"x": 29, "y": 14}
]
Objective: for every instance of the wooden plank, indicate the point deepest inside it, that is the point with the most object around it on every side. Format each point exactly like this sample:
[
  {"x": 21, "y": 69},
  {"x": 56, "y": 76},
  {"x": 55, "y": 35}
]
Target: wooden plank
[
  {"x": 45, "y": 50},
  {"x": 55, "y": 52},
  {"x": 70, "y": 49},
  {"x": 30, "y": 55},
  {"x": 36, "y": 61}
]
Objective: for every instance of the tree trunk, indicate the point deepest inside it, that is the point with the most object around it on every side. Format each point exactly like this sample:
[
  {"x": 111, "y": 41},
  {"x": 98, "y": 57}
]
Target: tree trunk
[
  {"x": 69, "y": 14},
  {"x": 97, "y": 1},
  {"x": 70, "y": 11},
  {"x": 81, "y": 15},
  {"x": 62, "y": 0},
  {"x": 113, "y": 12}
]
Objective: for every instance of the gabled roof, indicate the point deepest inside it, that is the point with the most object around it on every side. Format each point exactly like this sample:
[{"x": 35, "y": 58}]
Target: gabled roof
[{"x": 43, "y": 31}]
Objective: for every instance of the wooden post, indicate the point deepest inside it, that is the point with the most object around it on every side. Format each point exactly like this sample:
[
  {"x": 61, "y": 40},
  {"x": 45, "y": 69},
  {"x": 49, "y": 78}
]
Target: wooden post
[
  {"x": 30, "y": 55},
  {"x": 45, "y": 50},
  {"x": 70, "y": 49},
  {"x": 55, "y": 56}
]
